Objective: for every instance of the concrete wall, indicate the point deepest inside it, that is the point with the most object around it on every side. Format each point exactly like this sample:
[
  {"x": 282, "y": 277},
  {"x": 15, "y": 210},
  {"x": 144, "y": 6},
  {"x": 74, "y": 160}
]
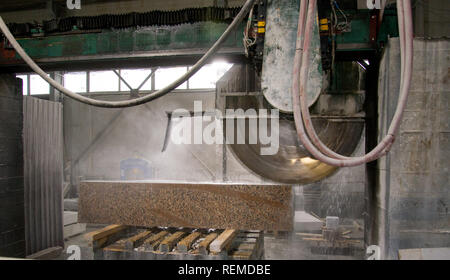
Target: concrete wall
[
  {"x": 12, "y": 220},
  {"x": 431, "y": 19},
  {"x": 414, "y": 195}
]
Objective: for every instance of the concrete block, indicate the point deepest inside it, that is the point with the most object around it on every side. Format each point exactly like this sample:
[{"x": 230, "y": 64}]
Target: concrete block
[
  {"x": 304, "y": 222},
  {"x": 71, "y": 204},
  {"x": 70, "y": 217},
  {"x": 74, "y": 229}
]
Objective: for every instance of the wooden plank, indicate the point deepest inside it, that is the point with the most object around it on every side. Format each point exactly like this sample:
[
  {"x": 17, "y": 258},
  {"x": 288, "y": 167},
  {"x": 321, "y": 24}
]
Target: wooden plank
[
  {"x": 266, "y": 207},
  {"x": 309, "y": 234},
  {"x": 315, "y": 239},
  {"x": 185, "y": 245},
  {"x": 152, "y": 243},
  {"x": 223, "y": 241},
  {"x": 337, "y": 242},
  {"x": 245, "y": 247},
  {"x": 102, "y": 233},
  {"x": 97, "y": 244},
  {"x": 137, "y": 240},
  {"x": 242, "y": 255},
  {"x": 47, "y": 254},
  {"x": 203, "y": 247},
  {"x": 169, "y": 243}
]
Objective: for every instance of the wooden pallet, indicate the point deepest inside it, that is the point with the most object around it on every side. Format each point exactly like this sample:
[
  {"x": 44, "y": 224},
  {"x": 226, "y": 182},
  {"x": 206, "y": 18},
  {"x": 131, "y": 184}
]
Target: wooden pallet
[{"x": 128, "y": 243}]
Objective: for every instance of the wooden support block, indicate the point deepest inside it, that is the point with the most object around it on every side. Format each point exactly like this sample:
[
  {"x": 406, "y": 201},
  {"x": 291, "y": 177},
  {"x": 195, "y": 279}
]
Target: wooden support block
[
  {"x": 47, "y": 254},
  {"x": 117, "y": 246},
  {"x": 316, "y": 235},
  {"x": 185, "y": 245},
  {"x": 104, "y": 232},
  {"x": 169, "y": 243},
  {"x": 315, "y": 239},
  {"x": 245, "y": 247},
  {"x": 152, "y": 243},
  {"x": 223, "y": 241},
  {"x": 137, "y": 240},
  {"x": 242, "y": 255},
  {"x": 100, "y": 243},
  {"x": 203, "y": 247}
]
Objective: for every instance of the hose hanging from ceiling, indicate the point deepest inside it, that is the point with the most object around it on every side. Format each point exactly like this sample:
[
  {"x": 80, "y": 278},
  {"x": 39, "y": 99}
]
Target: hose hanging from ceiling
[
  {"x": 301, "y": 111},
  {"x": 137, "y": 101}
]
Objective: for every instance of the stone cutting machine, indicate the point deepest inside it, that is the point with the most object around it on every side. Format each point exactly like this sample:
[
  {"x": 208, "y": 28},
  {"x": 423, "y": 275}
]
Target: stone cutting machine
[{"x": 262, "y": 39}]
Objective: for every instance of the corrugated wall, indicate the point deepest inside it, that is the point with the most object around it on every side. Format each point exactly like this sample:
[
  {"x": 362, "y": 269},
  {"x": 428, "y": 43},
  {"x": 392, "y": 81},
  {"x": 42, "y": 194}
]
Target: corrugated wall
[
  {"x": 12, "y": 228},
  {"x": 43, "y": 146}
]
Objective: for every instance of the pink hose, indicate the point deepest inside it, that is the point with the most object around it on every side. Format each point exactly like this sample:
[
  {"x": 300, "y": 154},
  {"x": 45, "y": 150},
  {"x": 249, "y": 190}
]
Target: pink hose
[{"x": 301, "y": 110}]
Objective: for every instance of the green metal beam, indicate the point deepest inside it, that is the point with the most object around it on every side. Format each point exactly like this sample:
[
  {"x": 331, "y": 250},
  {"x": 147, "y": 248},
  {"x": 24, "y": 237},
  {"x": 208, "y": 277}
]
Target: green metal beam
[
  {"x": 108, "y": 45},
  {"x": 163, "y": 44}
]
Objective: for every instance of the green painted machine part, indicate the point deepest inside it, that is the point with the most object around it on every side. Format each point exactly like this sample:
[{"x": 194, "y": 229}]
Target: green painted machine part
[{"x": 166, "y": 45}]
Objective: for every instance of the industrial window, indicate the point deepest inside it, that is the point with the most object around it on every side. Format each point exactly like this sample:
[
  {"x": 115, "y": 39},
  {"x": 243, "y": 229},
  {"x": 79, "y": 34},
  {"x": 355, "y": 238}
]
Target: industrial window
[
  {"x": 108, "y": 81},
  {"x": 165, "y": 76},
  {"x": 135, "y": 78},
  {"x": 209, "y": 75},
  {"x": 38, "y": 85},
  {"x": 76, "y": 81},
  {"x": 103, "y": 81}
]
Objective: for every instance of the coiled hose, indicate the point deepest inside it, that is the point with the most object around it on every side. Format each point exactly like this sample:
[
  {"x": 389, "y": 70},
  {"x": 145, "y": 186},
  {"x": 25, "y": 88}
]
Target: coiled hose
[{"x": 302, "y": 117}]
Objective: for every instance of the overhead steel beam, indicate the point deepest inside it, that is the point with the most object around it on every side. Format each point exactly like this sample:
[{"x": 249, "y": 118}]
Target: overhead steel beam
[{"x": 155, "y": 46}]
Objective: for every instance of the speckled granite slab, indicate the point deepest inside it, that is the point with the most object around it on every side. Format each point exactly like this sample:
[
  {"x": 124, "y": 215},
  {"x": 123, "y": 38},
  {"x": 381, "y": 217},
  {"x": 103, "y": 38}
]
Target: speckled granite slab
[{"x": 246, "y": 207}]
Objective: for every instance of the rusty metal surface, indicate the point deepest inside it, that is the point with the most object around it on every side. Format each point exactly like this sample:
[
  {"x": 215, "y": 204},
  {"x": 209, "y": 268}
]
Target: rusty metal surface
[
  {"x": 43, "y": 174},
  {"x": 171, "y": 204}
]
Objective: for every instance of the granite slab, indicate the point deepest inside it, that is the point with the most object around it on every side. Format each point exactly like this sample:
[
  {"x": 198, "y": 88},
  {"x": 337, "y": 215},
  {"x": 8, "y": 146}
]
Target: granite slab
[{"x": 167, "y": 204}]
